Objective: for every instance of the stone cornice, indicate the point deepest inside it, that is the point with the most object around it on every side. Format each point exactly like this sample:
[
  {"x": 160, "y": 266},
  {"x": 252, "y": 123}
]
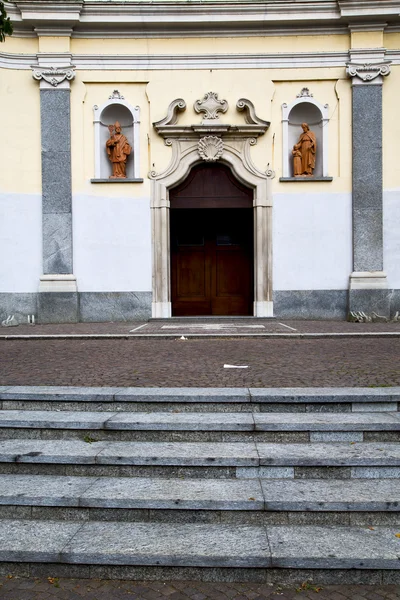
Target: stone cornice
[
  {"x": 144, "y": 18},
  {"x": 212, "y": 61}
]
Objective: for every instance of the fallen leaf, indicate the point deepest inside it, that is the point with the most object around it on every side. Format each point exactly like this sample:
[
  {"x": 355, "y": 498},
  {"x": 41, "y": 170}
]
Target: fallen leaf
[
  {"x": 397, "y": 535},
  {"x": 371, "y": 528}
]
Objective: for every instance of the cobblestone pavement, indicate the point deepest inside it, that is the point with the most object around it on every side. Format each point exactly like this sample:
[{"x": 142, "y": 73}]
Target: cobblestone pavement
[
  {"x": 200, "y": 362},
  {"x": 95, "y": 589}
]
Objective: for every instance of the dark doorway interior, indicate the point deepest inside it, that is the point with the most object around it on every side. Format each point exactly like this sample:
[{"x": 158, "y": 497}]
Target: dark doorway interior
[{"x": 211, "y": 224}]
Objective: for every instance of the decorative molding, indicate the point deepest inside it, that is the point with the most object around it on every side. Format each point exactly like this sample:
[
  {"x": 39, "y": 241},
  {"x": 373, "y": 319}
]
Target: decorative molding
[
  {"x": 175, "y": 107},
  {"x": 54, "y": 75},
  {"x": 130, "y": 63},
  {"x": 368, "y": 72},
  {"x": 250, "y": 113},
  {"x": 210, "y": 105},
  {"x": 225, "y": 17},
  {"x": 305, "y": 93},
  {"x": 116, "y": 95},
  {"x": 210, "y": 148}
]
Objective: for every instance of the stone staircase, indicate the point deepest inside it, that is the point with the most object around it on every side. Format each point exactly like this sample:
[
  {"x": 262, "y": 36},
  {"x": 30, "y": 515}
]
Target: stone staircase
[{"x": 269, "y": 485}]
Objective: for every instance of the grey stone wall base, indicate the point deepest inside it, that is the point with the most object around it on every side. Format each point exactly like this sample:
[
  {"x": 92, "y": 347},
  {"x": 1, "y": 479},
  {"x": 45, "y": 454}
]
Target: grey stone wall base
[
  {"x": 92, "y": 307},
  {"x": 369, "y": 301},
  {"x": 114, "y": 306},
  {"x": 311, "y": 304},
  {"x": 58, "y": 307},
  {"x": 19, "y": 305}
]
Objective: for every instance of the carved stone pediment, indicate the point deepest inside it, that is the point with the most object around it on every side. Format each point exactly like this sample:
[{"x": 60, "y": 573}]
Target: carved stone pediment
[
  {"x": 210, "y": 105},
  {"x": 210, "y": 148}
]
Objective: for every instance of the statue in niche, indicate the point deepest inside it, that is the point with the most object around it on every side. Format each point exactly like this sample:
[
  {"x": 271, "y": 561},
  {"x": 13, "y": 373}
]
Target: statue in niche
[
  {"x": 118, "y": 150},
  {"x": 304, "y": 153}
]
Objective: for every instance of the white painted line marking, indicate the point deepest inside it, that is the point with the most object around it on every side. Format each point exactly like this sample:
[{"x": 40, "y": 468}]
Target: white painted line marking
[
  {"x": 136, "y": 328},
  {"x": 283, "y": 325},
  {"x": 212, "y": 326}
]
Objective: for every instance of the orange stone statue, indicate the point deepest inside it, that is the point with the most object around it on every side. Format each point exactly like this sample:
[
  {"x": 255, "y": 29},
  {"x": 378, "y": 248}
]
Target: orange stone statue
[
  {"x": 118, "y": 150},
  {"x": 304, "y": 153}
]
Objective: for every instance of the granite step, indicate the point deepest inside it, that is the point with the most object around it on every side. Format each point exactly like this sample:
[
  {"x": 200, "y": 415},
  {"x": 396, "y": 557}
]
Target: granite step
[
  {"x": 200, "y": 399},
  {"x": 239, "y": 454},
  {"x": 206, "y": 494},
  {"x": 200, "y": 427},
  {"x": 199, "y": 545}
]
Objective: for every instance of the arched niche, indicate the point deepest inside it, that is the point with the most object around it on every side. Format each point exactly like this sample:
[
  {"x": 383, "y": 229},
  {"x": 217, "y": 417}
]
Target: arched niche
[
  {"x": 116, "y": 109},
  {"x": 305, "y": 110}
]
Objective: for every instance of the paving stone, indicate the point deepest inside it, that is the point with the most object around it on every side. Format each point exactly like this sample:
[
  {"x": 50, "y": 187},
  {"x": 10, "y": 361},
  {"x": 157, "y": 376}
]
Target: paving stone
[
  {"x": 49, "y": 451},
  {"x": 191, "y": 454},
  {"x": 86, "y": 394},
  {"x": 51, "y": 419},
  {"x": 175, "y": 545},
  {"x": 175, "y": 493},
  {"x": 338, "y": 454},
  {"x": 322, "y": 547},
  {"x": 332, "y": 495},
  {"x": 183, "y": 421},
  {"x": 188, "y": 394},
  {"x": 326, "y": 422},
  {"x": 34, "y": 541}
]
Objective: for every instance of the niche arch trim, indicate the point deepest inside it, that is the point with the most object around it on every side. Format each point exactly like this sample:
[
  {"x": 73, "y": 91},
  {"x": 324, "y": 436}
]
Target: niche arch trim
[
  {"x": 305, "y": 109},
  {"x": 116, "y": 108}
]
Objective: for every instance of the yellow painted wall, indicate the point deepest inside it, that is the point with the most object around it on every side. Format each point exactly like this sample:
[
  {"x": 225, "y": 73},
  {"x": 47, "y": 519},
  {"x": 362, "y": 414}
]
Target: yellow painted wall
[
  {"x": 249, "y": 45},
  {"x": 367, "y": 39},
  {"x": 20, "y": 150},
  {"x": 18, "y": 45},
  {"x": 391, "y": 129}
]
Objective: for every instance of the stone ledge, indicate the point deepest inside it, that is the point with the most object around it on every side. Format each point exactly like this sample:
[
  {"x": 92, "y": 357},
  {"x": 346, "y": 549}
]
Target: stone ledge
[
  {"x": 303, "y": 179},
  {"x": 117, "y": 180}
]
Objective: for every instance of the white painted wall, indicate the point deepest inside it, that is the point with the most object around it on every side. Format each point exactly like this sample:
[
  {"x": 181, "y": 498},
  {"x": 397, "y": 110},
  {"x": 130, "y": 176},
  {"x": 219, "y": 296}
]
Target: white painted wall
[
  {"x": 391, "y": 237},
  {"x": 112, "y": 244},
  {"x": 20, "y": 242},
  {"x": 312, "y": 241}
]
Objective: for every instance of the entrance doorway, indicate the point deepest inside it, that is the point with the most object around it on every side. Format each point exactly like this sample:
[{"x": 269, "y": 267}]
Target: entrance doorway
[{"x": 211, "y": 228}]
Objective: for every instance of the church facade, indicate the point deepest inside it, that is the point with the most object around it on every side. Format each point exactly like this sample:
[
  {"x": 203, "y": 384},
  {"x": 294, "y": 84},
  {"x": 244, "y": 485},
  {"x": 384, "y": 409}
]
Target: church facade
[{"x": 200, "y": 158}]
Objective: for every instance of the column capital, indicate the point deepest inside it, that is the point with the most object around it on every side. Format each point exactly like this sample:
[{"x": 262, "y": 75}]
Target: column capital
[
  {"x": 368, "y": 73},
  {"x": 54, "y": 76}
]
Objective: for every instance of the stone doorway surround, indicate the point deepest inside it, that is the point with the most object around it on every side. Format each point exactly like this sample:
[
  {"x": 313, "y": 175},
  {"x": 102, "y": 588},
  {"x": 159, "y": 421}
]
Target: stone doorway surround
[{"x": 211, "y": 140}]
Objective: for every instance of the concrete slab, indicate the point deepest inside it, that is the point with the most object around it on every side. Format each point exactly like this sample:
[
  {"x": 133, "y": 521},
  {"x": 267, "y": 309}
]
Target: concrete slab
[
  {"x": 326, "y": 422},
  {"x": 35, "y": 541},
  {"x": 333, "y": 454},
  {"x": 177, "y": 453},
  {"x": 334, "y": 547},
  {"x": 42, "y": 490},
  {"x": 169, "y": 545}
]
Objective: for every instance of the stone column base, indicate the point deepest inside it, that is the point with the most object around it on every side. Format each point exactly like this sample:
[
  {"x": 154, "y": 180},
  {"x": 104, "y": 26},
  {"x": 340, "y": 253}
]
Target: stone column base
[
  {"x": 161, "y": 310},
  {"x": 58, "y": 299},
  {"x": 369, "y": 293},
  {"x": 264, "y": 308}
]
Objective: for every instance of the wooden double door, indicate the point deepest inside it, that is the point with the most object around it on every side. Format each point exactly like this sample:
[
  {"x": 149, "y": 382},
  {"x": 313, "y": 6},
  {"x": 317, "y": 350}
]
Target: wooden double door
[{"x": 211, "y": 225}]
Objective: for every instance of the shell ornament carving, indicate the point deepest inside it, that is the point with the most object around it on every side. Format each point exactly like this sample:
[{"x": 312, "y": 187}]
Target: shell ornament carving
[{"x": 210, "y": 148}]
